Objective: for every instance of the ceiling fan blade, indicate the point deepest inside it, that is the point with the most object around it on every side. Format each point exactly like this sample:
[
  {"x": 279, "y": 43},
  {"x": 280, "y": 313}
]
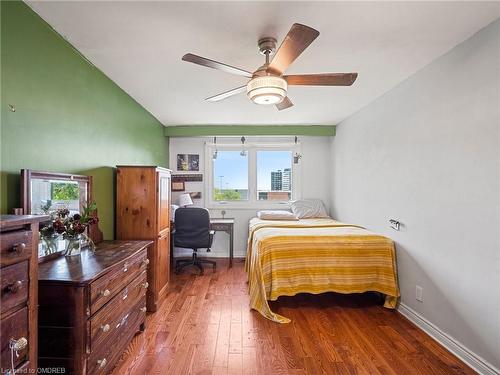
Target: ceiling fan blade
[
  {"x": 323, "y": 79},
  {"x": 195, "y": 59},
  {"x": 285, "y": 103},
  {"x": 226, "y": 94},
  {"x": 296, "y": 41}
]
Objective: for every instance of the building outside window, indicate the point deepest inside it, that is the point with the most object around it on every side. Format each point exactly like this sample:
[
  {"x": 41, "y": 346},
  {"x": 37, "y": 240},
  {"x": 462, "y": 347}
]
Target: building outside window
[
  {"x": 286, "y": 182},
  {"x": 276, "y": 180}
]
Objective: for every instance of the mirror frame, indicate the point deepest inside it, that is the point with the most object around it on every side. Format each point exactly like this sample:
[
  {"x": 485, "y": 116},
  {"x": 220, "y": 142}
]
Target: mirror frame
[{"x": 27, "y": 175}]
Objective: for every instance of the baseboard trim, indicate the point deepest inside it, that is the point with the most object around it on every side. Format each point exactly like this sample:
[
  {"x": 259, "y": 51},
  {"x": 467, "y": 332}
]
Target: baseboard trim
[{"x": 471, "y": 359}]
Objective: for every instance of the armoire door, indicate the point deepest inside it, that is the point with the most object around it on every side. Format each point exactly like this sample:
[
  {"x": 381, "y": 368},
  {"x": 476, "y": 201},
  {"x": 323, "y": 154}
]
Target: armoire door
[{"x": 163, "y": 262}]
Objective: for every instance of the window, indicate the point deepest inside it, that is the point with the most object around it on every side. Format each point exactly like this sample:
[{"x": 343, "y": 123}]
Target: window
[
  {"x": 251, "y": 175},
  {"x": 274, "y": 175},
  {"x": 230, "y": 176}
]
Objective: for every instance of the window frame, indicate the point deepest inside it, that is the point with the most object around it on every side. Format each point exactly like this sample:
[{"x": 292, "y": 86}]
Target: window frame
[{"x": 252, "y": 148}]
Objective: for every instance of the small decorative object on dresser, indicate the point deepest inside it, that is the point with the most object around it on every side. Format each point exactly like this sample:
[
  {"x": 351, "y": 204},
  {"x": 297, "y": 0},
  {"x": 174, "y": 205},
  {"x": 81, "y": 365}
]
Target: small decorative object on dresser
[
  {"x": 143, "y": 213},
  {"x": 91, "y": 306},
  {"x": 19, "y": 300}
]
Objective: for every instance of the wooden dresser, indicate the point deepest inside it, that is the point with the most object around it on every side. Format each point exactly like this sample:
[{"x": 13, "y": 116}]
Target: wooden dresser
[
  {"x": 143, "y": 213},
  {"x": 19, "y": 260},
  {"x": 90, "y": 306}
]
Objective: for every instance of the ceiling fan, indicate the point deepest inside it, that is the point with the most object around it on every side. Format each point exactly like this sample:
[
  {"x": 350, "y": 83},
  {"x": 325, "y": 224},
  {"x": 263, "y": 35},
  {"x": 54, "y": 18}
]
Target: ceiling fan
[{"x": 268, "y": 85}]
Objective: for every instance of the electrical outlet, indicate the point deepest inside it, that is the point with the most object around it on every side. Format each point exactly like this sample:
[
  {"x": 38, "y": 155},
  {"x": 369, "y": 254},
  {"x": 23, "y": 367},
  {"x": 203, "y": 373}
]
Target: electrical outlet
[{"x": 419, "y": 293}]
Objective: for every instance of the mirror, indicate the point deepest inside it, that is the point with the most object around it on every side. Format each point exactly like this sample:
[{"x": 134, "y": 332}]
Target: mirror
[
  {"x": 43, "y": 193},
  {"x": 48, "y": 195}
]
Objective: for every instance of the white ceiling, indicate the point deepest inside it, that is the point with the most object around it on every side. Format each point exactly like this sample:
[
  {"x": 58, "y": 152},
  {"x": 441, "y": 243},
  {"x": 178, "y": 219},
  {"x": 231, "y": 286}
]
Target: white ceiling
[{"x": 139, "y": 45}]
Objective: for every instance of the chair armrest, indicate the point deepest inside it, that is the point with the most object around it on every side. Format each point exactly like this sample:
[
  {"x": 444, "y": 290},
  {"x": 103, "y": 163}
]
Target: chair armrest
[{"x": 210, "y": 238}]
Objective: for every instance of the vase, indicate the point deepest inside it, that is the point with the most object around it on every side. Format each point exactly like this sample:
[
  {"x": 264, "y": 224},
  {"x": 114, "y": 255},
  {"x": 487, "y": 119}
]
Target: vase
[
  {"x": 50, "y": 244},
  {"x": 73, "y": 245}
]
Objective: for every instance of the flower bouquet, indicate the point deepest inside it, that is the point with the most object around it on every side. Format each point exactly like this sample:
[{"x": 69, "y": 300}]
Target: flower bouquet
[{"x": 72, "y": 228}]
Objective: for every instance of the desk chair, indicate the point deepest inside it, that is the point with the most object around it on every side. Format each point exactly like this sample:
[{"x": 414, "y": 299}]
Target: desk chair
[{"x": 192, "y": 231}]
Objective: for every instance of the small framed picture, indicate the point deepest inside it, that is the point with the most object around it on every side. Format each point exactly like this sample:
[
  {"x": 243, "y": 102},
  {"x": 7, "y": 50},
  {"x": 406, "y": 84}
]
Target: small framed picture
[
  {"x": 178, "y": 186},
  {"x": 188, "y": 162},
  {"x": 195, "y": 195}
]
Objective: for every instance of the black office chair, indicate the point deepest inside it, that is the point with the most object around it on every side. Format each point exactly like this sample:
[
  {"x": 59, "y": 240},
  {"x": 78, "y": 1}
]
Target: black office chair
[{"x": 192, "y": 231}]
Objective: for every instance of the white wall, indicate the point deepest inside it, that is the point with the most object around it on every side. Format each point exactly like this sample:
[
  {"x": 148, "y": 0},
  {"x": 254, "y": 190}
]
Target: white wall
[
  {"x": 427, "y": 153},
  {"x": 315, "y": 177}
]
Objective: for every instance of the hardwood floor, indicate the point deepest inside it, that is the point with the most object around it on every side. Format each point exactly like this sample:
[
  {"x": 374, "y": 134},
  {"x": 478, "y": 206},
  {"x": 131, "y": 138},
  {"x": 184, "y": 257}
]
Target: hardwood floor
[{"x": 205, "y": 327}]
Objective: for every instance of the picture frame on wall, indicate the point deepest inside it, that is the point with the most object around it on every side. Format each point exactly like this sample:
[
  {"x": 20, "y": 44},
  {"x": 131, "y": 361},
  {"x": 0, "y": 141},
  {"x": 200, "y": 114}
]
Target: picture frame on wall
[
  {"x": 188, "y": 162},
  {"x": 178, "y": 186},
  {"x": 192, "y": 177},
  {"x": 195, "y": 195}
]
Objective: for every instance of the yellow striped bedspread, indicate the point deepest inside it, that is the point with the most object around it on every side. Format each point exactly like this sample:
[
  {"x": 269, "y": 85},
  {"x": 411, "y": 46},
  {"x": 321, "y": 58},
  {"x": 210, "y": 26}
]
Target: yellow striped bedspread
[{"x": 316, "y": 256}]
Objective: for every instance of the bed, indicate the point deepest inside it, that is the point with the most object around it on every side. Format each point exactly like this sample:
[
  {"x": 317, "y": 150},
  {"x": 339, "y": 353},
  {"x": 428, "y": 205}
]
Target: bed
[{"x": 315, "y": 256}]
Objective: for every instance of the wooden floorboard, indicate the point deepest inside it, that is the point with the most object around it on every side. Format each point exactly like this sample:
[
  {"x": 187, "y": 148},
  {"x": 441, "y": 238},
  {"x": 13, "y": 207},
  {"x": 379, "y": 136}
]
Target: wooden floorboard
[{"x": 204, "y": 326}]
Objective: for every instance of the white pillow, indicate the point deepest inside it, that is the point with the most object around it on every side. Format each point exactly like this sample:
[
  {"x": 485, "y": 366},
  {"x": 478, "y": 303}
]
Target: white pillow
[
  {"x": 276, "y": 215},
  {"x": 307, "y": 208}
]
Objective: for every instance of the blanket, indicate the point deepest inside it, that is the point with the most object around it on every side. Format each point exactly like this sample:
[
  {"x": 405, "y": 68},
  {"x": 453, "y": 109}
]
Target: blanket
[{"x": 316, "y": 256}]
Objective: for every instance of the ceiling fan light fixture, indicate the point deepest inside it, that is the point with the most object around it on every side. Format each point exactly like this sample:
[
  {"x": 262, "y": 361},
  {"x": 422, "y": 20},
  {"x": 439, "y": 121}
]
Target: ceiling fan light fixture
[
  {"x": 267, "y": 90},
  {"x": 268, "y": 84}
]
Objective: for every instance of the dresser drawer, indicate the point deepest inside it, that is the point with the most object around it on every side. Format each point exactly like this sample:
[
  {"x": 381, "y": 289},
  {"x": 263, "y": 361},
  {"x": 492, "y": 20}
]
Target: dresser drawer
[
  {"x": 104, "y": 289},
  {"x": 15, "y": 246},
  {"x": 115, "y": 314},
  {"x": 103, "y": 359},
  {"x": 14, "y": 285},
  {"x": 14, "y": 327}
]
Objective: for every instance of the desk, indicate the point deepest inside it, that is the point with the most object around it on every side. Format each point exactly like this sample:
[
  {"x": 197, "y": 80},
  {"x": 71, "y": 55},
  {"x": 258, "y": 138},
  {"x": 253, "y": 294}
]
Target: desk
[
  {"x": 225, "y": 225},
  {"x": 216, "y": 224}
]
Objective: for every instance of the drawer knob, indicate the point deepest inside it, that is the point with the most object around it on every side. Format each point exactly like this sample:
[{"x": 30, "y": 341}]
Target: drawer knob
[
  {"x": 102, "y": 362},
  {"x": 14, "y": 287},
  {"x": 142, "y": 309},
  {"x": 105, "y": 293},
  {"x": 17, "y": 345},
  {"x": 18, "y": 247},
  {"x": 145, "y": 285},
  {"x": 105, "y": 327},
  {"x": 146, "y": 261},
  {"x": 125, "y": 267}
]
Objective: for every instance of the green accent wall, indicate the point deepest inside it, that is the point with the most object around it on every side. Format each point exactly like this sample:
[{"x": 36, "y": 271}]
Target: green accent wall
[
  {"x": 69, "y": 116},
  {"x": 214, "y": 130}
]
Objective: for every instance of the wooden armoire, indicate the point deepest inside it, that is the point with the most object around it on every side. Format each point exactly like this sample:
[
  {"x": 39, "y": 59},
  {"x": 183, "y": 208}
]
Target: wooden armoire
[{"x": 143, "y": 213}]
